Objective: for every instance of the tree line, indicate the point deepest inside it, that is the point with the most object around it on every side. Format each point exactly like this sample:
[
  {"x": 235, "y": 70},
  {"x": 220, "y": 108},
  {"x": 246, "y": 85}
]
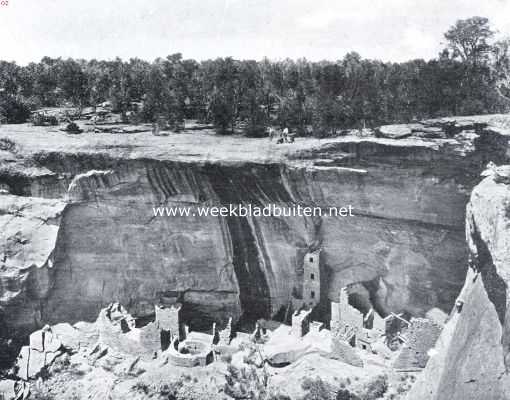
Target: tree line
[{"x": 470, "y": 76}]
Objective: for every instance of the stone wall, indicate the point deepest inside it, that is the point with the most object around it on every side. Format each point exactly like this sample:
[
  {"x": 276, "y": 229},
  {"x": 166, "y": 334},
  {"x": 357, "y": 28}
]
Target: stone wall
[
  {"x": 420, "y": 338},
  {"x": 346, "y": 353},
  {"x": 117, "y": 331},
  {"x": 300, "y": 323},
  {"x": 187, "y": 360}
]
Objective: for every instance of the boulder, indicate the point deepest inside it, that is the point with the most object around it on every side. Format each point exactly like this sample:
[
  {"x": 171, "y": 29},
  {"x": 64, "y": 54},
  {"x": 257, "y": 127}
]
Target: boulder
[
  {"x": 394, "y": 131},
  {"x": 43, "y": 349},
  {"x": 44, "y": 340},
  {"x": 429, "y": 132},
  {"x": 14, "y": 390}
]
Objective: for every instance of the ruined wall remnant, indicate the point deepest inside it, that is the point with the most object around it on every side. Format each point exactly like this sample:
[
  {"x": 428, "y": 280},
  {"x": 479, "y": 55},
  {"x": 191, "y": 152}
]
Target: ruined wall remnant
[
  {"x": 117, "y": 331},
  {"x": 345, "y": 316},
  {"x": 196, "y": 349},
  {"x": 372, "y": 320},
  {"x": 419, "y": 339},
  {"x": 300, "y": 323},
  {"x": 316, "y": 327},
  {"x": 378, "y": 323},
  {"x": 225, "y": 335},
  {"x": 344, "y": 352}
]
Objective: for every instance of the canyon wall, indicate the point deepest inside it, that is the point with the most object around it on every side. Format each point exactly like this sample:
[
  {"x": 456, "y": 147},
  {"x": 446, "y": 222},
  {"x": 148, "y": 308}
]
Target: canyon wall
[
  {"x": 405, "y": 242},
  {"x": 471, "y": 360}
]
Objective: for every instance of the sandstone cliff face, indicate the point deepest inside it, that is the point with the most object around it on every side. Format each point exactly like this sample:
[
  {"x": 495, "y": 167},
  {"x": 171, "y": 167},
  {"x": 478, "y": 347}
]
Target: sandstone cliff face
[
  {"x": 229, "y": 265},
  {"x": 472, "y": 359},
  {"x": 30, "y": 228},
  {"x": 406, "y": 242}
]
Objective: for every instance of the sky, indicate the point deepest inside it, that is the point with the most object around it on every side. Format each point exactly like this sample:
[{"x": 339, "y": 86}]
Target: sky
[{"x": 389, "y": 30}]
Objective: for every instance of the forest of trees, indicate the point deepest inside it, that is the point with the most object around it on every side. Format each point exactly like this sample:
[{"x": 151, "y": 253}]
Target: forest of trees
[{"x": 470, "y": 76}]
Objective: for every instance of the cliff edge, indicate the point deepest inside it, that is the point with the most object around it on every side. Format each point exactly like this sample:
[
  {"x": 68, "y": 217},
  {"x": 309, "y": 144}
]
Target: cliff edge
[{"x": 472, "y": 356}]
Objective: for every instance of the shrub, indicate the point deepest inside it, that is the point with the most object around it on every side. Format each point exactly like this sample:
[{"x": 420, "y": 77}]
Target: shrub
[
  {"x": 376, "y": 388},
  {"x": 7, "y": 144},
  {"x": 246, "y": 383},
  {"x": 72, "y": 127},
  {"x": 345, "y": 394},
  {"x": 141, "y": 387},
  {"x": 41, "y": 119},
  {"x": 317, "y": 389}
]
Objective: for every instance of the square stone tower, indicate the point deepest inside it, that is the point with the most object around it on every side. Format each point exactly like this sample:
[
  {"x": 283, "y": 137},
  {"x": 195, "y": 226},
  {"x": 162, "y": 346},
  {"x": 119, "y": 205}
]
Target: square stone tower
[
  {"x": 168, "y": 318},
  {"x": 311, "y": 279}
]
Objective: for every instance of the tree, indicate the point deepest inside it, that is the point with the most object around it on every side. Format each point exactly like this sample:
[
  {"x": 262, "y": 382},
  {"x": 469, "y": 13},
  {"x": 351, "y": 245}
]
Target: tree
[
  {"x": 9, "y": 76},
  {"x": 501, "y": 68},
  {"x": 72, "y": 81},
  {"x": 119, "y": 89},
  {"x": 225, "y": 98},
  {"x": 472, "y": 75},
  {"x": 222, "y": 111},
  {"x": 161, "y": 101},
  {"x": 468, "y": 39},
  {"x": 13, "y": 109}
]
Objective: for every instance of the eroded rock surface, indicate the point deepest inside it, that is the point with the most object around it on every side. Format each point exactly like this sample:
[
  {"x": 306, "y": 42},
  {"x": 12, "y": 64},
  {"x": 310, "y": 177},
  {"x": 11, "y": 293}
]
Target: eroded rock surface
[
  {"x": 405, "y": 243},
  {"x": 472, "y": 357},
  {"x": 29, "y": 229}
]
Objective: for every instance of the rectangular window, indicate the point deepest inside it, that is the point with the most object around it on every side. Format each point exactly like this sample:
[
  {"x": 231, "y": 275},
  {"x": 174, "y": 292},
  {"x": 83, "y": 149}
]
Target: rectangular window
[
  {"x": 312, "y": 295},
  {"x": 312, "y": 277},
  {"x": 310, "y": 259}
]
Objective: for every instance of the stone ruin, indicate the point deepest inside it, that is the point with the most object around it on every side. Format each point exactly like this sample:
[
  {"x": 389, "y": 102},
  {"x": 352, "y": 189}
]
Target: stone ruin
[
  {"x": 349, "y": 326},
  {"x": 4, "y": 188},
  {"x": 196, "y": 349},
  {"x": 118, "y": 331},
  {"x": 167, "y": 318},
  {"x": 288, "y": 343},
  {"x": 167, "y": 337},
  {"x": 343, "y": 351},
  {"x": 344, "y": 317},
  {"x": 311, "y": 290},
  {"x": 225, "y": 335},
  {"x": 311, "y": 279},
  {"x": 419, "y": 339},
  {"x": 300, "y": 323}
]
